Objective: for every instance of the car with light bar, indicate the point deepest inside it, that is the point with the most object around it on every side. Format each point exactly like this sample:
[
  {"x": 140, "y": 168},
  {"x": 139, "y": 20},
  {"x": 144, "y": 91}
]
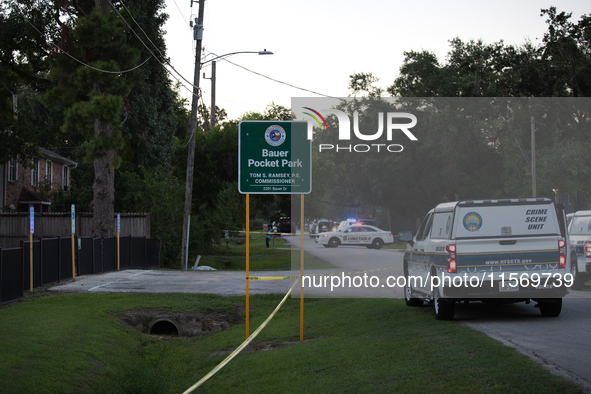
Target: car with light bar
[
  {"x": 497, "y": 251},
  {"x": 579, "y": 231},
  {"x": 358, "y": 235}
]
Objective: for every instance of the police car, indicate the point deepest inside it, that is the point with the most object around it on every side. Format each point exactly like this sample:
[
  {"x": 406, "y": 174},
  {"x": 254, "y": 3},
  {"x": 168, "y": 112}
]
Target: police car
[
  {"x": 363, "y": 235},
  {"x": 580, "y": 238}
]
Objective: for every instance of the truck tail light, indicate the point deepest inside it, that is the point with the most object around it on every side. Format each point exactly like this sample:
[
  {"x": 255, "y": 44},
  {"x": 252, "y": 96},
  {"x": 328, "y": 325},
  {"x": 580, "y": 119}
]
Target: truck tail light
[
  {"x": 452, "y": 265},
  {"x": 562, "y": 254},
  {"x": 588, "y": 249}
]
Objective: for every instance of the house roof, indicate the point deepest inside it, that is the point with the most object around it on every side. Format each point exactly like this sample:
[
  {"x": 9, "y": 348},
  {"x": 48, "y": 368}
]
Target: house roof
[
  {"x": 47, "y": 154},
  {"x": 28, "y": 197}
]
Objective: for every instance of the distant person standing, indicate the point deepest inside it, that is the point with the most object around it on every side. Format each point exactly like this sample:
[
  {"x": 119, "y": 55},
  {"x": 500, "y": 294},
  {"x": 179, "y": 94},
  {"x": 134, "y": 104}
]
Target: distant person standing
[
  {"x": 274, "y": 233},
  {"x": 268, "y": 237}
]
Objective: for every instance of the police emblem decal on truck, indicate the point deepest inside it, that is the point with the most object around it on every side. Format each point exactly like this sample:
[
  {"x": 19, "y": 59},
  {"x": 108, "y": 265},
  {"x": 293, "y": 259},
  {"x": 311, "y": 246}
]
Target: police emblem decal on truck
[{"x": 472, "y": 221}]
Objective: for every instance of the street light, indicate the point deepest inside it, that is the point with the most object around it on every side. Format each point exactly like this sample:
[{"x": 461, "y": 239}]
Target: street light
[
  {"x": 192, "y": 127},
  {"x": 263, "y": 52},
  {"x": 213, "y": 76}
]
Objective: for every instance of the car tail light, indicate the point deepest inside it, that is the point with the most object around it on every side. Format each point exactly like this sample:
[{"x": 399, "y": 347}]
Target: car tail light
[
  {"x": 390, "y": 234},
  {"x": 562, "y": 254},
  {"x": 588, "y": 249},
  {"x": 452, "y": 266}
]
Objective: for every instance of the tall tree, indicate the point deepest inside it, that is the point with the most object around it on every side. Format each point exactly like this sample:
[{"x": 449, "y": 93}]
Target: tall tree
[{"x": 94, "y": 93}]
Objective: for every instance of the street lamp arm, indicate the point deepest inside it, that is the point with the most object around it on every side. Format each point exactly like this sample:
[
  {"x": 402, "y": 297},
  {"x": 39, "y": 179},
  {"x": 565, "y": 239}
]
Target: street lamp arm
[{"x": 263, "y": 52}]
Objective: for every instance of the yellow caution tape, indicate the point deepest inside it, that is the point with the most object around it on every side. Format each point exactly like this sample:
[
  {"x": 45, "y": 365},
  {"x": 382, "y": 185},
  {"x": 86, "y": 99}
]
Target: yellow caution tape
[
  {"x": 241, "y": 347},
  {"x": 296, "y": 277},
  {"x": 264, "y": 324}
]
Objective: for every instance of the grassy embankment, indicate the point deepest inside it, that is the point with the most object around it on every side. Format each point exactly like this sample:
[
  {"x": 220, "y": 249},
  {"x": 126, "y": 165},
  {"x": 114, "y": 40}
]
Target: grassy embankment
[{"x": 75, "y": 344}]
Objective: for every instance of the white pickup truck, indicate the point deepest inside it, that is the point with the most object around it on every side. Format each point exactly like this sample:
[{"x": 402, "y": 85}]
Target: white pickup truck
[
  {"x": 501, "y": 250},
  {"x": 579, "y": 231}
]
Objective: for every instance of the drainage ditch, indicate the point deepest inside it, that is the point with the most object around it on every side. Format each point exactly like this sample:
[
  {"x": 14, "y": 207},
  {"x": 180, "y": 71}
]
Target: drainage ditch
[{"x": 163, "y": 322}]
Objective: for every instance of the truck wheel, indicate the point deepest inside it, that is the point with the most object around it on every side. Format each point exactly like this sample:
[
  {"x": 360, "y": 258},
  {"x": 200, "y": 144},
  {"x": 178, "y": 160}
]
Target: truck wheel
[
  {"x": 578, "y": 278},
  {"x": 377, "y": 243},
  {"x": 444, "y": 310},
  {"x": 551, "y": 308},
  {"x": 334, "y": 242}
]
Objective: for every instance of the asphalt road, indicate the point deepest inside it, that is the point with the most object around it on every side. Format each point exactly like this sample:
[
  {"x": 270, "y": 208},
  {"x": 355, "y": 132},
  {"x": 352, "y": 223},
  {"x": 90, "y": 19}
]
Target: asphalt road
[{"x": 562, "y": 344}]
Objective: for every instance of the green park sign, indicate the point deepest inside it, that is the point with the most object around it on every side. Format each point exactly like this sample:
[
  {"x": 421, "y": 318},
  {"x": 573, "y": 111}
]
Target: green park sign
[{"x": 274, "y": 157}]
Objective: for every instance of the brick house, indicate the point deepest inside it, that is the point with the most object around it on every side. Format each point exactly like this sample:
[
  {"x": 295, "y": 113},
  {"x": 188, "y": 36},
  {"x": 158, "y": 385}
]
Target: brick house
[{"x": 24, "y": 185}]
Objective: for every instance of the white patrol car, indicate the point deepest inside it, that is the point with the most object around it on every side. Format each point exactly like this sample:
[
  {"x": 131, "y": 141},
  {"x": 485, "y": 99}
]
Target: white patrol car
[
  {"x": 364, "y": 235},
  {"x": 580, "y": 238},
  {"x": 500, "y": 251}
]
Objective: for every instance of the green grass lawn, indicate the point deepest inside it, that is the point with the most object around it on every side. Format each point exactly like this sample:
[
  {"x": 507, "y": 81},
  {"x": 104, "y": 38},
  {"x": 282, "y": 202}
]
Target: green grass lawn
[
  {"x": 261, "y": 258},
  {"x": 71, "y": 344},
  {"x": 396, "y": 245}
]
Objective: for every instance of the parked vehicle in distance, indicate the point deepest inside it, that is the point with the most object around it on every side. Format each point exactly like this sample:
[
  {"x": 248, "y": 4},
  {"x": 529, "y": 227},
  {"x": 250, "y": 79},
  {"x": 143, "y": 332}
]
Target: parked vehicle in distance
[
  {"x": 501, "y": 251},
  {"x": 284, "y": 225},
  {"x": 321, "y": 226},
  {"x": 325, "y": 225},
  {"x": 368, "y": 236},
  {"x": 579, "y": 231}
]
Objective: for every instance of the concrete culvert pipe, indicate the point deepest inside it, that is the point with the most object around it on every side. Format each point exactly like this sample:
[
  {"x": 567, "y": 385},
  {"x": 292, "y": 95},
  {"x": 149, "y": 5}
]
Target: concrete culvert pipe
[{"x": 164, "y": 326}]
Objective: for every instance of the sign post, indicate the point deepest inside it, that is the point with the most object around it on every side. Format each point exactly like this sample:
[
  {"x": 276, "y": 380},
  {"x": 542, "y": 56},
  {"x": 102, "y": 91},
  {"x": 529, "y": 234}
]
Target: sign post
[
  {"x": 247, "y": 262},
  {"x": 274, "y": 157},
  {"x": 32, "y": 227},
  {"x": 73, "y": 232},
  {"x": 118, "y": 233}
]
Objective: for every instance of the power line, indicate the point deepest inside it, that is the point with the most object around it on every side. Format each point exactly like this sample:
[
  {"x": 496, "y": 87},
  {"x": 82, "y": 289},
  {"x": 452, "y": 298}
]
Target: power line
[
  {"x": 278, "y": 81},
  {"x": 180, "y": 12},
  {"x": 145, "y": 45},
  {"x": 81, "y": 62},
  {"x": 235, "y": 64}
]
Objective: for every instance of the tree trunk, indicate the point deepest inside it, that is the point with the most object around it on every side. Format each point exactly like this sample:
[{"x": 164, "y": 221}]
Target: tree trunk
[
  {"x": 103, "y": 188},
  {"x": 103, "y": 202}
]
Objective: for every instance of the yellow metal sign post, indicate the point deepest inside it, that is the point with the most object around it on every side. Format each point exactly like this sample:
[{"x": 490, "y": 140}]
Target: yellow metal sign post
[
  {"x": 302, "y": 269},
  {"x": 118, "y": 233},
  {"x": 73, "y": 232},
  {"x": 247, "y": 257},
  {"x": 32, "y": 227}
]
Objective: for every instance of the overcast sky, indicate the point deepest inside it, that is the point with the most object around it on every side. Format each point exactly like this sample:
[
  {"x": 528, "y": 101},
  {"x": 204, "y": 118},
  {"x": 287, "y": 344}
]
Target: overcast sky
[{"x": 317, "y": 44}]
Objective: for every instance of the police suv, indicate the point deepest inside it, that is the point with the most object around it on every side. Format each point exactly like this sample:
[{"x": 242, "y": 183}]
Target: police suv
[
  {"x": 579, "y": 231},
  {"x": 363, "y": 235},
  {"x": 505, "y": 250}
]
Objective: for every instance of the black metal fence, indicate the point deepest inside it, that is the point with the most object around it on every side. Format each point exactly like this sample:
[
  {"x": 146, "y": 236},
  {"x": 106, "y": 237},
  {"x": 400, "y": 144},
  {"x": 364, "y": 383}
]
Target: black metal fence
[{"x": 52, "y": 260}]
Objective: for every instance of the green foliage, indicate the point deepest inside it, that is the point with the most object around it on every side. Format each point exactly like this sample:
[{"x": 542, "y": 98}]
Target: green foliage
[
  {"x": 89, "y": 95},
  {"x": 364, "y": 82},
  {"x": 272, "y": 112},
  {"x": 555, "y": 68},
  {"x": 160, "y": 195}
]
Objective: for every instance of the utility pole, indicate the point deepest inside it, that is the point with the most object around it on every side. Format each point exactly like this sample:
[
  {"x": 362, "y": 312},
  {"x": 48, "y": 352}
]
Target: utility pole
[
  {"x": 197, "y": 35},
  {"x": 212, "y": 122}
]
